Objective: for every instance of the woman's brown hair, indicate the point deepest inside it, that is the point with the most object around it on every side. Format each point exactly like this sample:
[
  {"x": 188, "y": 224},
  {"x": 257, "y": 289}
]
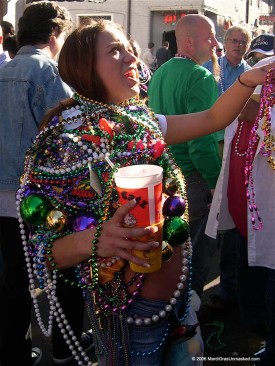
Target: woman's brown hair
[
  {"x": 77, "y": 60},
  {"x": 77, "y": 65}
]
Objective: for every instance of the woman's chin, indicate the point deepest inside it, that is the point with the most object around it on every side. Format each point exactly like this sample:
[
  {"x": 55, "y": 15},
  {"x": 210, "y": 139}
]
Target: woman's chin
[
  {"x": 132, "y": 92},
  {"x": 126, "y": 95}
]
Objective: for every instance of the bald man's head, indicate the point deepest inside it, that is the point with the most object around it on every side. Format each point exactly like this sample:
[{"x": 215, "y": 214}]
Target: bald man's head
[
  {"x": 190, "y": 25},
  {"x": 195, "y": 37}
]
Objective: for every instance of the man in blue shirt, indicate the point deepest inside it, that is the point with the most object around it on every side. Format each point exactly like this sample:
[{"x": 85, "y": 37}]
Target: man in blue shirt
[{"x": 236, "y": 42}]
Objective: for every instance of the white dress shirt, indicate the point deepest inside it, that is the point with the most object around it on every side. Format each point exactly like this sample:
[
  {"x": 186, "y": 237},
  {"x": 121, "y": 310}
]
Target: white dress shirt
[{"x": 261, "y": 243}]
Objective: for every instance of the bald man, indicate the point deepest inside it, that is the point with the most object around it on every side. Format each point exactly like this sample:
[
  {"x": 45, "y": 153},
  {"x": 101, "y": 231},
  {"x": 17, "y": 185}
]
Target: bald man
[
  {"x": 183, "y": 86},
  {"x": 4, "y": 55}
]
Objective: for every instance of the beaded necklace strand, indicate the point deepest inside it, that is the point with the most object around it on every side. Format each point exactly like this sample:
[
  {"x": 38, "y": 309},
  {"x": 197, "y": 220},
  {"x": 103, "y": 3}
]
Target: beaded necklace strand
[
  {"x": 222, "y": 80},
  {"x": 179, "y": 55}
]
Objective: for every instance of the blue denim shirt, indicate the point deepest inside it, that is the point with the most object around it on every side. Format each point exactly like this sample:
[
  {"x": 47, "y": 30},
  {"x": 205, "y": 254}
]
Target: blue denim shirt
[
  {"x": 29, "y": 85},
  {"x": 4, "y": 58}
]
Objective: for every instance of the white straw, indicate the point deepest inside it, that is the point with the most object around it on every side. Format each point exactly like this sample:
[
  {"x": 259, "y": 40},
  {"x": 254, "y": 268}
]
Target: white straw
[{"x": 109, "y": 162}]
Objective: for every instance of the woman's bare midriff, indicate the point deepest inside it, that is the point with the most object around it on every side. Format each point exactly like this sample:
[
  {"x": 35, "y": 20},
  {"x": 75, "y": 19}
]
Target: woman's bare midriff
[{"x": 160, "y": 285}]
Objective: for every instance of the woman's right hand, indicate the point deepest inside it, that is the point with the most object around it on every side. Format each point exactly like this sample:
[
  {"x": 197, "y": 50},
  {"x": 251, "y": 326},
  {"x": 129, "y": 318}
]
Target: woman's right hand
[{"x": 118, "y": 241}]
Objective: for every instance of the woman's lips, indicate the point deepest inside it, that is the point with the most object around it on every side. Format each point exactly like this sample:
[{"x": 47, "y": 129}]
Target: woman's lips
[{"x": 132, "y": 74}]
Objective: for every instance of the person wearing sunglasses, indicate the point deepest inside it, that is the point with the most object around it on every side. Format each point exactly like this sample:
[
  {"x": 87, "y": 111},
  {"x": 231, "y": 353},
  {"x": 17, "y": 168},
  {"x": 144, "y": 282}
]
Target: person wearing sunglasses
[{"x": 260, "y": 48}]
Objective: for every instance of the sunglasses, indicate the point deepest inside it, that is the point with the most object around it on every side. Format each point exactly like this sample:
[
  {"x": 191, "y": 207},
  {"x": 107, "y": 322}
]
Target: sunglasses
[{"x": 219, "y": 49}]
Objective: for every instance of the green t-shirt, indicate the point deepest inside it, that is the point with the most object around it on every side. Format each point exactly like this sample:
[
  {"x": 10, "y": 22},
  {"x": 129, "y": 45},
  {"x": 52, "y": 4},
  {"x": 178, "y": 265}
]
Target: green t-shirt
[{"x": 181, "y": 86}]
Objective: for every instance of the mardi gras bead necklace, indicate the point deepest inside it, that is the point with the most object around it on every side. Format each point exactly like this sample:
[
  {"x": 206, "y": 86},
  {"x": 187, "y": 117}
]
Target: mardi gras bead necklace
[
  {"x": 266, "y": 148},
  {"x": 179, "y": 55},
  {"x": 222, "y": 78},
  {"x": 57, "y": 168},
  {"x": 236, "y": 145},
  {"x": 48, "y": 282}
]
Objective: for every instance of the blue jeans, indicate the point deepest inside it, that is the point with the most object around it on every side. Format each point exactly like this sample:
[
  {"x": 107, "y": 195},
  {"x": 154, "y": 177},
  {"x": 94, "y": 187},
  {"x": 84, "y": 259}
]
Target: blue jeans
[
  {"x": 228, "y": 267},
  {"x": 199, "y": 197},
  {"x": 251, "y": 284},
  {"x": 254, "y": 289},
  {"x": 240, "y": 283},
  {"x": 148, "y": 342}
]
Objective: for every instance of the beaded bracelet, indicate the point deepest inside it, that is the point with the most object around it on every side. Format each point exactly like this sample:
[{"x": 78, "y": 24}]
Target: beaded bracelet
[
  {"x": 93, "y": 258},
  {"x": 47, "y": 242},
  {"x": 248, "y": 86}
]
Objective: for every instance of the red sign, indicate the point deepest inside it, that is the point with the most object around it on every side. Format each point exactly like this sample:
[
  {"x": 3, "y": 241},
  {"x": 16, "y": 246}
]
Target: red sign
[
  {"x": 170, "y": 18},
  {"x": 266, "y": 19}
]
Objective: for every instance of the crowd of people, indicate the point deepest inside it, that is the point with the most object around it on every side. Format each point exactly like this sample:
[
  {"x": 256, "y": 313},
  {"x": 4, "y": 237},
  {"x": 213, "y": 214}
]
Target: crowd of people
[{"x": 62, "y": 227}]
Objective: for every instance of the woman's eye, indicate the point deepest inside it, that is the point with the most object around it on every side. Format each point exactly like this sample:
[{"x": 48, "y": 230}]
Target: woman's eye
[{"x": 116, "y": 49}]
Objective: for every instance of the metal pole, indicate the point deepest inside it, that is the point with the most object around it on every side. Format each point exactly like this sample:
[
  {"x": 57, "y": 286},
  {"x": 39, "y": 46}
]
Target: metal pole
[{"x": 129, "y": 12}]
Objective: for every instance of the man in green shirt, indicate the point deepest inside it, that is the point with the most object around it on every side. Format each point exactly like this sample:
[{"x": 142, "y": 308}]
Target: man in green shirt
[{"x": 182, "y": 86}]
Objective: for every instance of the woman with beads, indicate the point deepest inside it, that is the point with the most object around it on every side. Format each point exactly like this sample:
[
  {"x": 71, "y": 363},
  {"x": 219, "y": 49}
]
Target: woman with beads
[{"x": 69, "y": 201}]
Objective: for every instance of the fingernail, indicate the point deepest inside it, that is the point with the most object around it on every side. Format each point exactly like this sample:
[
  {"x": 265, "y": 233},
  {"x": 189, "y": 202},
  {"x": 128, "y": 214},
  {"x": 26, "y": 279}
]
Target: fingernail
[
  {"x": 147, "y": 265},
  {"x": 155, "y": 244},
  {"x": 152, "y": 229},
  {"x": 155, "y": 228}
]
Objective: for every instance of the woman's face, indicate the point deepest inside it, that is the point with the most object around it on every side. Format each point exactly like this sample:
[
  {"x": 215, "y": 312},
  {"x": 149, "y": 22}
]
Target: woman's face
[{"x": 117, "y": 66}]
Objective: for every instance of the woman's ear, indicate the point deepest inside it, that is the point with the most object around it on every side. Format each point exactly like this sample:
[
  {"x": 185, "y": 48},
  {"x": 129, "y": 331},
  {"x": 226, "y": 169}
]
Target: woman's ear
[{"x": 55, "y": 32}]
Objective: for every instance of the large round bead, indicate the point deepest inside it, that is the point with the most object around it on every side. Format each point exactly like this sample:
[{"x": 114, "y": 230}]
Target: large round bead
[
  {"x": 175, "y": 231},
  {"x": 83, "y": 222},
  {"x": 174, "y": 206},
  {"x": 34, "y": 209},
  {"x": 56, "y": 220},
  {"x": 170, "y": 186},
  {"x": 158, "y": 148}
]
